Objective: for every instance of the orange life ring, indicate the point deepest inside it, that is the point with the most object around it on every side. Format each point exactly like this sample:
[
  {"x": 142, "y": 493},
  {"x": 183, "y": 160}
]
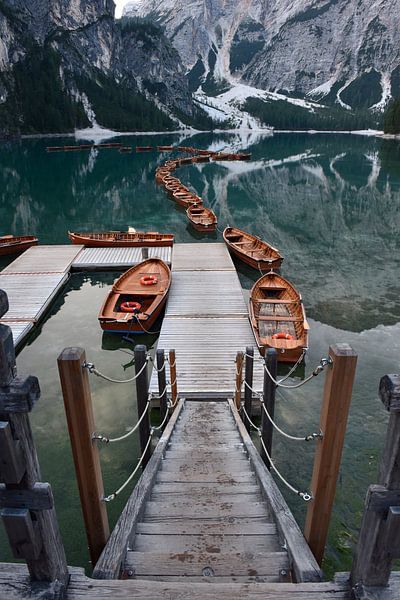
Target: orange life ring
[
  {"x": 149, "y": 280},
  {"x": 130, "y": 307},
  {"x": 282, "y": 336}
]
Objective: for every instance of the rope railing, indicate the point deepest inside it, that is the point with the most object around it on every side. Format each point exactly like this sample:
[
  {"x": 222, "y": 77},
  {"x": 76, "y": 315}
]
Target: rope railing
[
  {"x": 112, "y": 496},
  {"x": 306, "y": 438},
  {"x": 306, "y": 496},
  {"x": 107, "y": 440},
  {"x": 92, "y": 369}
]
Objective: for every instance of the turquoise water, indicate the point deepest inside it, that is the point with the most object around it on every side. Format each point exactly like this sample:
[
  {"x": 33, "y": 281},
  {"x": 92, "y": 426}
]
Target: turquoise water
[{"x": 330, "y": 203}]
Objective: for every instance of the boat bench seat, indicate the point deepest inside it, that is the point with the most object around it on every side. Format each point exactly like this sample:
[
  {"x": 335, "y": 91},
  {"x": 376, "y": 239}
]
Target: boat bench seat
[
  {"x": 273, "y": 301},
  {"x": 276, "y": 318}
]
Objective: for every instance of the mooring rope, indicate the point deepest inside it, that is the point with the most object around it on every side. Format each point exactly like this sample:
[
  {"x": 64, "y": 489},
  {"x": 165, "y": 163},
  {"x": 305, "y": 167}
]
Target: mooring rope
[
  {"x": 324, "y": 362},
  {"x": 92, "y": 369}
]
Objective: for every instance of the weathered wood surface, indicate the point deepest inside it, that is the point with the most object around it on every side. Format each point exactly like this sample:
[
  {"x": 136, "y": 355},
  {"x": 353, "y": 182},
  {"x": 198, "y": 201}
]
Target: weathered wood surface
[
  {"x": 103, "y": 259},
  {"x": 206, "y": 322},
  {"x": 267, "y": 429},
  {"x": 110, "y": 562},
  {"x": 39, "y": 497},
  {"x": 44, "y": 259},
  {"x": 328, "y": 452},
  {"x": 80, "y": 418},
  {"x": 142, "y": 386},
  {"x": 304, "y": 566},
  {"x": 14, "y": 585},
  {"x": 378, "y": 542}
]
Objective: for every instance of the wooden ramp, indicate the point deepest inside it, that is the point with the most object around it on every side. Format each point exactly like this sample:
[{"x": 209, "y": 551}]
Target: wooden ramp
[
  {"x": 206, "y": 322},
  {"x": 102, "y": 259},
  {"x": 207, "y": 510}
]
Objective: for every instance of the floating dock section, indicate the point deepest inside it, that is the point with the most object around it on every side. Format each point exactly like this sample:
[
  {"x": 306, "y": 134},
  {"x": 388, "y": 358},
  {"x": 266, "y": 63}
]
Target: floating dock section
[{"x": 206, "y": 322}]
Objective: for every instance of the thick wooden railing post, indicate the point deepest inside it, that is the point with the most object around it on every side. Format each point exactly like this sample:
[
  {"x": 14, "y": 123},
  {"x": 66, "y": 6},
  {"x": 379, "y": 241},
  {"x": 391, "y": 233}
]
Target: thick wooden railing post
[
  {"x": 248, "y": 378},
  {"x": 333, "y": 421},
  {"x": 79, "y": 412},
  {"x": 142, "y": 395},
  {"x": 172, "y": 372},
  {"x": 162, "y": 383},
  {"x": 271, "y": 362},
  {"x": 239, "y": 379},
  {"x": 379, "y": 539},
  {"x": 27, "y": 506}
]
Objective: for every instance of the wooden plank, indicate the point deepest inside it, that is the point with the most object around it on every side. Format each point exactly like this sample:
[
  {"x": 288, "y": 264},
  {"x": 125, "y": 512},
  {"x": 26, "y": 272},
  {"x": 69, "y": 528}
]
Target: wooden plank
[
  {"x": 303, "y": 564},
  {"x": 208, "y": 257},
  {"x": 79, "y": 412},
  {"x": 44, "y": 259},
  {"x": 328, "y": 451},
  {"x": 190, "y": 564},
  {"x": 15, "y": 585},
  {"x": 199, "y": 488},
  {"x": 248, "y": 527},
  {"x": 164, "y": 476},
  {"x": 110, "y": 562},
  {"x": 22, "y": 533},
  {"x": 101, "y": 259},
  {"x": 30, "y": 294},
  {"x": 156, "y": 511},
  {"x": 216, "y": 544},
  {"x": 12, "y": 463},
  {"x": 40, "y": 497}
]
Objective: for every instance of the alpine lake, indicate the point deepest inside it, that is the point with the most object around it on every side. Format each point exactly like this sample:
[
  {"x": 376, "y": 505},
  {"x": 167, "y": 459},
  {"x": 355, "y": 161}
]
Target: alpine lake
[{"x": 329, "y": 202}]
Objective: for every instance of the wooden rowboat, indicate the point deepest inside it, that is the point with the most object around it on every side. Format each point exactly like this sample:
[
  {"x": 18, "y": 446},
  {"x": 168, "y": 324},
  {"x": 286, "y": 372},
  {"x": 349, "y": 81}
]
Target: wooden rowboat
[
  {"x": 186, "y": 198},
  {"x": 10, "y": 244},
  {"x": 202, "y": 218},
  {"x": 137, "y": 298},
  {"x": 252, "y": 250},
  {"x": 121, "y": 239},
  {"x": 278, "y": 318}
]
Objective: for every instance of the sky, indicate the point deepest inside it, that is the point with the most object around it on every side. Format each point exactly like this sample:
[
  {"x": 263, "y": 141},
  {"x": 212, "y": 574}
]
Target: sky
[{"x": 119, "y": 6}]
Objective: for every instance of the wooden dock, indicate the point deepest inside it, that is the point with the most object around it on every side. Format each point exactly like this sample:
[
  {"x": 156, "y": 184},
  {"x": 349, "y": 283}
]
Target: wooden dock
[
  {"x": 34, "y": 279},
  {"x": 206, "y": 322}
]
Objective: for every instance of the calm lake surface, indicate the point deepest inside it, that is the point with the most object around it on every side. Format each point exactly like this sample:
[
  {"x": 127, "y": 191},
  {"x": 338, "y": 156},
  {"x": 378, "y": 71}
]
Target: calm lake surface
[{"x": 330, "y": 203}]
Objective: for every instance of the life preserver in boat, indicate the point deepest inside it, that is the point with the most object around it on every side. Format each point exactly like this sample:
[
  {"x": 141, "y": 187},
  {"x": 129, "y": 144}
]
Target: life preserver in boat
[
  {"x": 282, "y": 336},
  {"x": 130, "y": 307},
  {"x": 149, "y": 280}
]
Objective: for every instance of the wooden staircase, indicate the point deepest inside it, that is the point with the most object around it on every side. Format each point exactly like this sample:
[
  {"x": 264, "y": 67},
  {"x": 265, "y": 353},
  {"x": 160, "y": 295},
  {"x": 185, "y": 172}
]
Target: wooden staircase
[{"x": 206, "y": 518}]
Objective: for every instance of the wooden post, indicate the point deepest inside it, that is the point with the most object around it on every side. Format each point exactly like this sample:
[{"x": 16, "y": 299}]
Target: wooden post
[
  {"x": 271, "y": 362},
  {"x": 239, "y": 379},
  {"x": 333, "y": 421},
  {"x": 79, "y": 412},
  {"x": 142, "y": 394},
  {"x": 162, "y": 383},
  {"x": 248, "y": 394},
  {"x": 378, "y": 542},
  {"x": 145, "y": 253},
  {"x": 174, "y": 384},
  {"x": 32, "y": 527}
]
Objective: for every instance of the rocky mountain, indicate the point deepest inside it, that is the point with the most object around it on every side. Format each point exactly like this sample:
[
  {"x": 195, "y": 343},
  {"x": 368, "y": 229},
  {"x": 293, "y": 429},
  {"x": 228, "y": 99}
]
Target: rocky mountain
[
  {"x": 343, "y": 52},
  {"x": 68, "y": 63}
]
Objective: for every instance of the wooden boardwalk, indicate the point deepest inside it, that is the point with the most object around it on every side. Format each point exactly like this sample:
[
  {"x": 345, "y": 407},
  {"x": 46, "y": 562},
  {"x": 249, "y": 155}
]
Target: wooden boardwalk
[
  {"x": 206, "y": 322},
  {"x": 207, "y": 510},
  {"x": 33, "y": 280}
]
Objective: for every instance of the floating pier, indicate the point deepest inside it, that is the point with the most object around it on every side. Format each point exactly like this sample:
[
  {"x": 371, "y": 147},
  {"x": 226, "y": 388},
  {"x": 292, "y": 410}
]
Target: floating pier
[{"x": 206, "y": 322}]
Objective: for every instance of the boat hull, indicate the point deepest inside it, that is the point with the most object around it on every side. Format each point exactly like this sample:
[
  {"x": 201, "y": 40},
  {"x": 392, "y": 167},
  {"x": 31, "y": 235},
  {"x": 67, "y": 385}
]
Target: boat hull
[
  {"x": 16, "y": 247},
  {"x": 261, "y": 264},
  {"x": 128, "y": 241},
  {"x": 251, "y": 250}
]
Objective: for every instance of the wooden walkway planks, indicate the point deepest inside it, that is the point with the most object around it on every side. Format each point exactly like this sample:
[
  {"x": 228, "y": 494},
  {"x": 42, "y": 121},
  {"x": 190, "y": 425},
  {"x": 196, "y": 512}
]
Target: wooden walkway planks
[
  {"x": 44, "y": 259},
  {"x": 201, "y": 257},
  {"x": 202, "y": 542},
  {"x": 206, "y": 322},
  {"x": 101, "y": 259}
]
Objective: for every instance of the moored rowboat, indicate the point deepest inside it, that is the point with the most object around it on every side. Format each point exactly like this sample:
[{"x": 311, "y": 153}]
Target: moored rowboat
[
  {"x": 186, "y": 198},
  {"x": 137, "y": 298},
  {"x": 202, "y": 218},
  {"x": 278, "y": 317},
  {"x": 252, "y": 250},
  {"x": 121, "y": 239},
  {"x": 10, "y": 244}
]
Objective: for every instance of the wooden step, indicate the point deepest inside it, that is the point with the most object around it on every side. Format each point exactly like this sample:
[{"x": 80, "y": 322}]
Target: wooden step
[
  {"x": 213, "y": 544},
  {"x": 198, "y": 564},
  {"x": 176, "y": 509},
  {"x": 176, "y": 489},
  {"x": 173, "y": 476},
  {"x": 239, "y": 527}
]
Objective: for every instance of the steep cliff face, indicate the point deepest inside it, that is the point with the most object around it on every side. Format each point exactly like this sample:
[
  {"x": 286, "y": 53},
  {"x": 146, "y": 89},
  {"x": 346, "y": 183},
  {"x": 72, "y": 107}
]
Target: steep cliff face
[
  {"x": 66, "y": 63},
  {"x": 338, "y": 51}
]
